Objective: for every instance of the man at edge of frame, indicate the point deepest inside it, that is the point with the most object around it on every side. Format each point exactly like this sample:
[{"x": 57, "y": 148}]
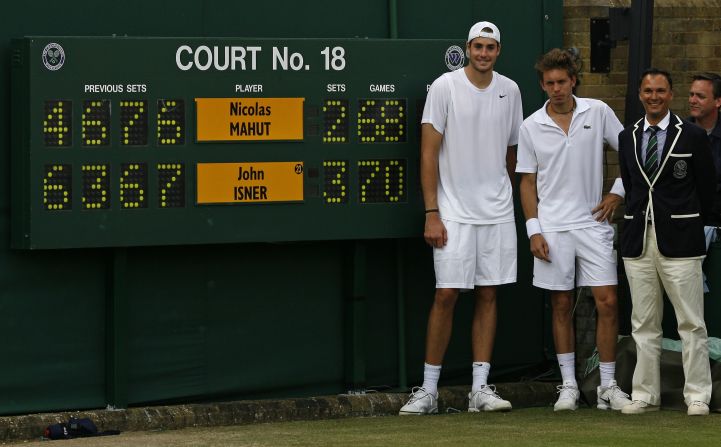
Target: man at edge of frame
[{"x": 704, "y": 105}]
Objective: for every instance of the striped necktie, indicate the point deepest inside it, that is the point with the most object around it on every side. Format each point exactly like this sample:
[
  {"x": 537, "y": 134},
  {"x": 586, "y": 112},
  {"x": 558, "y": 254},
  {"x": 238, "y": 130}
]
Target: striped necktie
[{"x": 651, "y": 164}]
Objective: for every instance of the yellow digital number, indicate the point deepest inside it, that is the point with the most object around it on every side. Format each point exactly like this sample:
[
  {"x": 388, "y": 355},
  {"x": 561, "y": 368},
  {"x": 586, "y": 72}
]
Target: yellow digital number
[
  {"x": 133, "y": 185},
  {"x": 96, "y": 186},
  {"x": 57, "y": 187},
  {"x": 335, "y": 183}
]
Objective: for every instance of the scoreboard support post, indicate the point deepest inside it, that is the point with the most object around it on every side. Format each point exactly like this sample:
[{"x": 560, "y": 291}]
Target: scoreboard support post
[
  {"x": 356, "y": 318},
  {"x": 116, "y": 339},
  {"x": 401, "y": 317}
]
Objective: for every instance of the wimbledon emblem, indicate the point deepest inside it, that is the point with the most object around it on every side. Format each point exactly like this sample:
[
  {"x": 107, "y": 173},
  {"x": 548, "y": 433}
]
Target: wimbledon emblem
[
  {"x": 680, "y": 169},
  {"x": 53, "y": 56},
  {"x": 454, "y": 57}
]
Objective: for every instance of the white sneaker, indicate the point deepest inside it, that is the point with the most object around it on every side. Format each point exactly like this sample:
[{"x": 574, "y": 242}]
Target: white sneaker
[
  {"x": 567, "y": 398},
  {"x": 697, "y": 408},
  {"x": 486, "y": 399},
  {"x": 638, "y": 407},
  {"x": 420, "y": 402},
  {"x": 611, "y": 397}
]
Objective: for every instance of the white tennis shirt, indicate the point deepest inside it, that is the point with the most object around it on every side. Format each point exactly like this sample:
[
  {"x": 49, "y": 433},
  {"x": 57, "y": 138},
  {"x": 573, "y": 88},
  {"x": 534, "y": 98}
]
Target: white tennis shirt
[
  {"x": 477, "y": 126},
  {"x": 569, "y": 167}
]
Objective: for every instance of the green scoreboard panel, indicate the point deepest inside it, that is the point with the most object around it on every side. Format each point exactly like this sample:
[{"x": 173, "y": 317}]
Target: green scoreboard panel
[{"x": 156, "y": 141}]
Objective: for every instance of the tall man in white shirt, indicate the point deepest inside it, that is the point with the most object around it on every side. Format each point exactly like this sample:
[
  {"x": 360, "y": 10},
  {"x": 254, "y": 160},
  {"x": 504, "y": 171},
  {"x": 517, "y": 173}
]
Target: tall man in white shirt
[
  {"x": 470, "y": 127},
  {"x": 560, "y": 154}
]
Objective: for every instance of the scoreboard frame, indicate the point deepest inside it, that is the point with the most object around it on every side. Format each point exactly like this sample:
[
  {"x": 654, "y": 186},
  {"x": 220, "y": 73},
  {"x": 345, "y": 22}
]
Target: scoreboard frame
[{"x": 111, "y": 136}]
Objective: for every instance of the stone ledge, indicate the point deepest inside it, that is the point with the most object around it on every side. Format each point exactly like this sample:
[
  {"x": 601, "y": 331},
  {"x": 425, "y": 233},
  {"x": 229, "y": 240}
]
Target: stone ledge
[{"x": 26, "y": 427}]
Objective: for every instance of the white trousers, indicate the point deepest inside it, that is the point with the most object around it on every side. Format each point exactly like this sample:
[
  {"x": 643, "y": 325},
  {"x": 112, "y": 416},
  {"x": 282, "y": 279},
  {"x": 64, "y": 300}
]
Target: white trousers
[{"x": 682, "y": 280}]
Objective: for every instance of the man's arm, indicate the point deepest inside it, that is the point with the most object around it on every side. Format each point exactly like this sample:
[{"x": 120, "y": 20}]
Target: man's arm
[
  {"x": 625, "y": 173},
  {"x": 529, "y": 202},
  {"x": 511, "y": 165},
  {"x": 705, "y": 174},
  {"x": 434, "y": 232},
  {"x": 605, "y": 209}
]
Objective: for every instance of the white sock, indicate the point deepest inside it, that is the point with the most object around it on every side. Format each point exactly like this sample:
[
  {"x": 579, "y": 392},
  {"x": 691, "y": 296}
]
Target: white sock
[
  {"x": 567, "y": 363},
  {"x": 480, "y": 375},
  {"x": 608, "y": 371},
  {"x": 431, "y": 374}
]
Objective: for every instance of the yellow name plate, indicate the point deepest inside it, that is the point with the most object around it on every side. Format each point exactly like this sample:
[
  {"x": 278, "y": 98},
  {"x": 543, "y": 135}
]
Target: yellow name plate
[
  {"x": 250, "y": 182},
  {"x": 249, "y": 119}
]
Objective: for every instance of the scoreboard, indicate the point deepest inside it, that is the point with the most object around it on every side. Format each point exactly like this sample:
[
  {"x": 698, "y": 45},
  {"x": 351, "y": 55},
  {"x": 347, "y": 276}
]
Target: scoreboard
[{"x": 124, "y": 141}]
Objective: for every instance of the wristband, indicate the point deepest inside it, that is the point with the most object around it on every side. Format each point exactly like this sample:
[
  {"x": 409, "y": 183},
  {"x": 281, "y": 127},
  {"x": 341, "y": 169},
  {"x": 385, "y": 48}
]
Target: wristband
[
  {"x": 617, "y": 188},
  {"x": 432, "y": 210},
  {"x": 533, "y": 226}
]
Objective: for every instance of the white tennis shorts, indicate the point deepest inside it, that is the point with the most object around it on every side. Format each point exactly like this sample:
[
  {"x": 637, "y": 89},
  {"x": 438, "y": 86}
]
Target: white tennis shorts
[
  {"x": 476, "y": 255},
  {"x": 582, "y": 257}
]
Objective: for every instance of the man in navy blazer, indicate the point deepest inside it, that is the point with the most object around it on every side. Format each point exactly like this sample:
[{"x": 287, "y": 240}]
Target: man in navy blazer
[{"x": 668, "y": 174}]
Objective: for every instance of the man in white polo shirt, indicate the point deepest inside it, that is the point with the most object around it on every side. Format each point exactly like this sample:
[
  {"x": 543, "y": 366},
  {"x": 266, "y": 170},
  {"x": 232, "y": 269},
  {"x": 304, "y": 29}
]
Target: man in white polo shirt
[
  {"x": 470, "y": 125},
  {"x": 560, "y": 154}
]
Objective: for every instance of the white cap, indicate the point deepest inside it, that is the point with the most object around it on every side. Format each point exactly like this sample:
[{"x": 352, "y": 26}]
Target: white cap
[{"x": 477, "y": 31}]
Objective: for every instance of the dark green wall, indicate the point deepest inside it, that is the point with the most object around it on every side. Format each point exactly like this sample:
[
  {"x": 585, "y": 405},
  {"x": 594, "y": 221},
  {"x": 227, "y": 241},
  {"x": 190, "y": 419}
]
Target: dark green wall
[{"x": 87, "y": 327}]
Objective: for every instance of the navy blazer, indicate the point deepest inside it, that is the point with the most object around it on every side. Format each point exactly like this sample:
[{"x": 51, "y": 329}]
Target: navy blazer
[{"x": 680, "y": 197}]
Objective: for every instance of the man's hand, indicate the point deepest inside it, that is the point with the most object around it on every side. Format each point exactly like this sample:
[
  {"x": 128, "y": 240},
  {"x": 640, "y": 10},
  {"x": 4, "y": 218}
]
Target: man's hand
[
  {"x": 605, "y": 209},
  {"x": 539, "y": 247},
  {"x": 435, "y": 232}
]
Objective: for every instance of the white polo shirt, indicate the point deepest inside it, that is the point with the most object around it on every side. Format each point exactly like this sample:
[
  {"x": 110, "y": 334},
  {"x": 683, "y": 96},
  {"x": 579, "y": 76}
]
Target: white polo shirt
[
  {"x": 477, "y": 126},
  {"x": 569, "y": 167}
]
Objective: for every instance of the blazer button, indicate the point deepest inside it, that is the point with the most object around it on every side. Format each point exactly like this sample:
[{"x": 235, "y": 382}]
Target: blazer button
[{"x": 643, "y": 213}]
